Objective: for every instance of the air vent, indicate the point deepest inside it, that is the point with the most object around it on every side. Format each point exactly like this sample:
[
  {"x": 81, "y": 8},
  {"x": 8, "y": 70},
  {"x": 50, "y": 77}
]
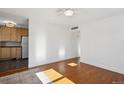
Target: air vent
[{"x": 74, "y": 28}]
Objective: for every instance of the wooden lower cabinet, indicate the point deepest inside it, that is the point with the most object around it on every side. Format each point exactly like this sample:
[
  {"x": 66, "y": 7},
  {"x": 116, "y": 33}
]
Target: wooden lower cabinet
[
  {"x": 5, "y": 53},
  {"x": 7, "y": 65},
  {"x": 10, "y": 53},
  {"x": 13, "y": 53},
  {"x": 18, "y": 53}
]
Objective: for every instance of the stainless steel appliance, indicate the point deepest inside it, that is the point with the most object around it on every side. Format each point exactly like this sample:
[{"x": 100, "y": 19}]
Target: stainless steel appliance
[{"x": 24, "y": 45}]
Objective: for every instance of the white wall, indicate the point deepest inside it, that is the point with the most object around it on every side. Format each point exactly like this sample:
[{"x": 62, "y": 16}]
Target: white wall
[
  {"x": 102, "y": 43},
  {"x": 49, "y": 43}
]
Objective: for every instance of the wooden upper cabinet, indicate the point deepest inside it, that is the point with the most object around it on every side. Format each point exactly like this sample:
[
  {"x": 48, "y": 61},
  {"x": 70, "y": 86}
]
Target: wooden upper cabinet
[
  {"x": 13, "y": 34},
  {"x": 18, "y": 34},
  {"x": 5, "y": 34},
  {"x": 1, "y": 33},
  {"x": 24, "y": 32}
]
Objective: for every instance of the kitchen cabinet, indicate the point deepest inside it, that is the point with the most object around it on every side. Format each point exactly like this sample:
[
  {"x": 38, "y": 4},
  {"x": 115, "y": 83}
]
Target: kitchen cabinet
[
  {"x": 13, "y": 53},
  {"x": 5, "y": 53},
  {"x": 10, "y": 53},
  {"x": 18, "y": 53},
  {"x": 5, "y": 34},
  {"x": 18, "y": 35},
  {"x": 13, "y": 34},
  {"x": 24, "y": 32}
]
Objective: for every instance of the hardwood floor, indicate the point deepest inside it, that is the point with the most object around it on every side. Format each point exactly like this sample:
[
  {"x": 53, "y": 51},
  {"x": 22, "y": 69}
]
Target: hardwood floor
[{"x": 80, "y": 74}]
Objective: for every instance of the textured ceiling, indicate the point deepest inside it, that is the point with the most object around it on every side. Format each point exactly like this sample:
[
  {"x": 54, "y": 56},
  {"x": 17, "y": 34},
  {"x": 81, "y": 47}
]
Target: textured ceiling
[{"x": 82, "y": 15}]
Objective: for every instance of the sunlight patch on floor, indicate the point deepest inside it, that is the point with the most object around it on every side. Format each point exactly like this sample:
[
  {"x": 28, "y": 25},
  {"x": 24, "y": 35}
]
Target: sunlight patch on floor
[
  {"x": 72, "y": 64},
  {"x": 52, "y": 76},
  {"x": 64, "y": 81},
  {"x": 48, "y": 76}
]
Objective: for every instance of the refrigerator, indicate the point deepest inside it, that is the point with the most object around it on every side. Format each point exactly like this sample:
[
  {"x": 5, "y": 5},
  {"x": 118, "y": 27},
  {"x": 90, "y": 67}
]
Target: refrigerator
[{"x": 24, "y": 44}]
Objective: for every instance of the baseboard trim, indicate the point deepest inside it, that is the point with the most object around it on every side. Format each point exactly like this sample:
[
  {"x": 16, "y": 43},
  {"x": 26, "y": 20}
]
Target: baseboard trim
[
  {"x": 102, "y": 68},
  {"x": 54, "y": 62}
]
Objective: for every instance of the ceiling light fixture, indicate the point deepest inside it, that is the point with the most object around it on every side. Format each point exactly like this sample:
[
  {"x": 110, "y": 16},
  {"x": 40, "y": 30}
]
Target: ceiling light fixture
[
  {"x": 68, "y": 12},
  {"x": 9, "y": 23}
]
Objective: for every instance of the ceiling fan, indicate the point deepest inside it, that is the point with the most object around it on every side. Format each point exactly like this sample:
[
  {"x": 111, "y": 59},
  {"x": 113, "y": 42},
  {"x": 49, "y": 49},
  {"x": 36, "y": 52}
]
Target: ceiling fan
[{"x": 66, "y": 11}]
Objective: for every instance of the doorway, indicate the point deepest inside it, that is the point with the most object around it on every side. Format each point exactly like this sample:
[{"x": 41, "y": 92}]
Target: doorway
[{"x": 13, "y": 46}]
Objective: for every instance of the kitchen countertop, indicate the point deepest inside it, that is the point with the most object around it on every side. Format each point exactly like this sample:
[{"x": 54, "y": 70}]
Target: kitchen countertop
[{"x": 10, "y": 46}]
